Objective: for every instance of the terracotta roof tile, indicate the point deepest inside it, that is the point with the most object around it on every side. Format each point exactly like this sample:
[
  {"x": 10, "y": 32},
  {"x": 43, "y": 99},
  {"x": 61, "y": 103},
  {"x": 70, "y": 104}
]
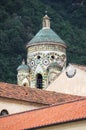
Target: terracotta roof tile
[
  {"x": 12, "y": 91},
  {"x": 51, "y": 115}
]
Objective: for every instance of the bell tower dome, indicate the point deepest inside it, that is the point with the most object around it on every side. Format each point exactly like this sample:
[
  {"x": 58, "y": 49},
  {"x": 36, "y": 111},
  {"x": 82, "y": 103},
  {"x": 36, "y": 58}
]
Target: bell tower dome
[{"x": 46, "y": 56}]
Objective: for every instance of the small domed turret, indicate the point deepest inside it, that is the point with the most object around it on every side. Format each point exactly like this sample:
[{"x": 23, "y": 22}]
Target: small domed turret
[
  {"x": 23, "y": 67},
  {"x": 23, "y": 76}
]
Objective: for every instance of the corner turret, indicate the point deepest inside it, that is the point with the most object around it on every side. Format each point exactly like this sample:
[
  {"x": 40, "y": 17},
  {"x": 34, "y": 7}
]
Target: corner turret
[{"x": 23, "y": 76}]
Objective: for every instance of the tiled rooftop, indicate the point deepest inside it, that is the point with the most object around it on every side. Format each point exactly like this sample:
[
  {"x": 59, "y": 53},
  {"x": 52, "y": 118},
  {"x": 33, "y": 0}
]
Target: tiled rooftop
[
  {"x": 22, "y": 93},
  {"x": 45, "y": 35},
  {"x": 51, "y": 115}
]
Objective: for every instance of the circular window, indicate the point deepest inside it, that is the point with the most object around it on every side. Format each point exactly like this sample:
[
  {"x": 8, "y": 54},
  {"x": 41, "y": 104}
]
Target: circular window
[
  {"x": 32, "y": 63},
  {"x": 38, "y": 57},
  {"x": 45, "y": 62},
  {"x": 71, "y": 71}
]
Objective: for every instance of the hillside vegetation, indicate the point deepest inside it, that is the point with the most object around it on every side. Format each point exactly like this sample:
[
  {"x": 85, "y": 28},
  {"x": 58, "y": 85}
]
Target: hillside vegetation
[{"x": 20, "y": 20}]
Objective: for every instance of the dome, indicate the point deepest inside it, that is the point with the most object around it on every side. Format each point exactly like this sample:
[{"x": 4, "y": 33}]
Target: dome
[
  {"x": 46, "y": 34},
  {"x": 23, "y": 67}
]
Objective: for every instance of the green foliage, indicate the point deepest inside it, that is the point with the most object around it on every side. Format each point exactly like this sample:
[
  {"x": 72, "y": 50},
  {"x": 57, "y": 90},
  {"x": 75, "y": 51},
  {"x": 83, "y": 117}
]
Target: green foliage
[{"x": 21, "y": 19}]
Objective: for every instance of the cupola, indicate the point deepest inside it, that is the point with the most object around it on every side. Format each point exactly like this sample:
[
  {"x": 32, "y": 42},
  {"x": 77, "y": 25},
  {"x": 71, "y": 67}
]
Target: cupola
[
  {"x": 46, "y": 22},
  {"x": 23, "y": 67}
]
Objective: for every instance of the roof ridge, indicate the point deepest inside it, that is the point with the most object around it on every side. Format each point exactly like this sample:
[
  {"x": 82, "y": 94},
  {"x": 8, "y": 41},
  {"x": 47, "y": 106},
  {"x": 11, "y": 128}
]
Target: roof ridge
[
  {"x": 34, "y": 95},
  {"x": 45, "y": 107}
]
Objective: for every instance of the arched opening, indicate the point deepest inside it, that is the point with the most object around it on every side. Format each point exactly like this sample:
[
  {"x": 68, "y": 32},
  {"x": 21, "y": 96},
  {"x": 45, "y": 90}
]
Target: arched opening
[
  {"x": 4, "y": 112},
  {"x": 25, "y": 82},
  {"x": 39, "y": 81}
]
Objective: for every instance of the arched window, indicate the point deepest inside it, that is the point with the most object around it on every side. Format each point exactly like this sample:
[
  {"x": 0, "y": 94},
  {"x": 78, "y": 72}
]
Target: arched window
[
  {"x": 4, "y": 112},
  {"x": 39, "y": 81}
]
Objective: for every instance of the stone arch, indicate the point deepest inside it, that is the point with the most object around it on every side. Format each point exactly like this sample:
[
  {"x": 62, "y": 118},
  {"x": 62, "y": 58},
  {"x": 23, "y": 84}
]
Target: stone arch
[
  {"x": 4, "y": 112},
  {"x": 25, "y": 83},
  {"x": 39, "y": 81},
  {"x": 52, "y": 76}
]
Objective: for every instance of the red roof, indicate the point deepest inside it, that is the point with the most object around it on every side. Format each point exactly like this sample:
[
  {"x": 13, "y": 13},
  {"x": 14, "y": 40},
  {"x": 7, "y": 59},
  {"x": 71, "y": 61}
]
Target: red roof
[
  {"x": 51, "y": 115},
  {"x": 22, "y": 93}
]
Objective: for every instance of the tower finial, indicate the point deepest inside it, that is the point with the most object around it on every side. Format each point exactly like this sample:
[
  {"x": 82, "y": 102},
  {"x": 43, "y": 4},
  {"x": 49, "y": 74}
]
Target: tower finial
[
  {"x": 46, "y": 21},
  {"x": 23, "y": 62},
  {"x": 46, "y": 12}
]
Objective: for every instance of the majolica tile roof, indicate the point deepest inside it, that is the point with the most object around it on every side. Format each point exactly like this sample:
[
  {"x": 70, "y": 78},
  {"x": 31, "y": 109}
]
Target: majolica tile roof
[
  {"x": 22, "y": 93},
  {"x": 24, "y": 67},
  {"x": 51, "y": 115},
  {"x": 46, "y": 35}
]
